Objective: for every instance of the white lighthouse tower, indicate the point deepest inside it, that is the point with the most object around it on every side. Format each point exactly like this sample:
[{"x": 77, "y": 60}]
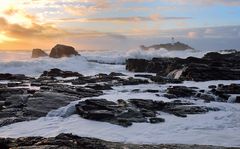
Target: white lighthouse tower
[{"x": 173, "y": 40}]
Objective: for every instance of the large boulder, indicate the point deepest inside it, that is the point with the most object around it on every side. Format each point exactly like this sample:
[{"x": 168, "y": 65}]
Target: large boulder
[
  {"x": 62, "y": 51},
  {"x": 36, "y": 53}
]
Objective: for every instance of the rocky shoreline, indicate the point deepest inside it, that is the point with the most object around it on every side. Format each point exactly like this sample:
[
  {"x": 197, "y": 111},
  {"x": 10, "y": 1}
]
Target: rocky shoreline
[
  {"x": 213, "y": 66},
  {"x": 70, "y": 141},
  {"x": 24, "y": 98}
]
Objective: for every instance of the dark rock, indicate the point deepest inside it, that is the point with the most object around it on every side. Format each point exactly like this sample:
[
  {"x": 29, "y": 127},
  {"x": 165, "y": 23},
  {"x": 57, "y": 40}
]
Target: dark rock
[
  {"x": 60, "y": 51},
  {"x": 136, "y": 110},
  {"x": 212, "y": 86},
  {"x": 207, "y": 97},
  {"x": 14, "y": 84},
  {"x": 59, "y": 73},
  {"x": 137, "y": 65},
  {"x": 213, "y": 66},
  {"x": 151, "y": 91},
  {"x": 143, "y": 76},
  {"x": 99, "y": 86},
  {"x": 181, "y": 91},
  {"x": 70, "y": 141},
  {"x": 169, "y": 96},
  {"x": 132, "y": 81},
  {"x": 164, "y": 80},
  {"x": 182, "y": 111},
  {"x": 229, "y": 89},
  {"x": 36, "y": 53},
  {"x": 115, "y": 74},
  {"x": 148, "y": 113},
  {"x": 8, "y": 76},
  {"x": 237, "y": 99},
  {"x": 155, "y": 120},
  {"x": 142, "y": 103},
  {"x": 99, "y": 115}
]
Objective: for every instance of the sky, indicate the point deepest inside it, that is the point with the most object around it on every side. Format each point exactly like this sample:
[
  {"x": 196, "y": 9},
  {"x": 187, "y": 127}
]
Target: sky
[{"x": 118, "y": 24}]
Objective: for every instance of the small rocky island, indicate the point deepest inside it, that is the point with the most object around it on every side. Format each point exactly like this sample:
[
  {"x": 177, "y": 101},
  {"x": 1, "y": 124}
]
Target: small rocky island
[
  {"x": 177, "y": 46},
  {"x": 58, "y": 51}
]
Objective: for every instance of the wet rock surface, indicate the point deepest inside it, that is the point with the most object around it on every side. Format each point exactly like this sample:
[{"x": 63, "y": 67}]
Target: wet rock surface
[
  {"x": 124, "y": 113},
  {"x": 60, "y": 51},
  {"x": 25, "y": 98},
  {"x": 70, "y": 141},
  {"x": 213, "y": 66}
]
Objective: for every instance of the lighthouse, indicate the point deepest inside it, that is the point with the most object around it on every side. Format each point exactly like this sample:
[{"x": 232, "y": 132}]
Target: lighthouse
[{"x": 173, "y": 40}]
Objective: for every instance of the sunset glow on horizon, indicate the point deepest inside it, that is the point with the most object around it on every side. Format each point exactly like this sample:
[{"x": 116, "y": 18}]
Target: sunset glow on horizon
[{"x": 106, "y": 24}]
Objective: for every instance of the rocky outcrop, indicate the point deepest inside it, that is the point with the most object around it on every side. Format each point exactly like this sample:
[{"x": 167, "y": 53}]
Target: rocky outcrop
[
  {"x": 124, "y": 113},
  {"x": 51, "y": 91},
  {"x": 60, "y": 51},
  {"x": 178, "y": 46},
  {"x": 36, "y": 53},
  {"x": 213, "y": 66},
  {"x": 70, "y": 141},
  {"x": 55, "y": 72},
  {"x": 8, "y": 76}
]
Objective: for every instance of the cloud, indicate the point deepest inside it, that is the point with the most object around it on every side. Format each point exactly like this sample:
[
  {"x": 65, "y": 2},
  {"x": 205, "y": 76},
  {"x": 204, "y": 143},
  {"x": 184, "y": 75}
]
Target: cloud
[
  {"x": 122, "y": 19},
  {"x": 192, "y": 34},
  {"x": 207, "y": 2},
  {"x": 87, "y": 7},
  {"x": 36, "y": 30}
]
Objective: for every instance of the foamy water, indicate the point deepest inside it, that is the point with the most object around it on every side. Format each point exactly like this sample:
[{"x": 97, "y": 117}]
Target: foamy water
[{"x": 22, "y": 63}]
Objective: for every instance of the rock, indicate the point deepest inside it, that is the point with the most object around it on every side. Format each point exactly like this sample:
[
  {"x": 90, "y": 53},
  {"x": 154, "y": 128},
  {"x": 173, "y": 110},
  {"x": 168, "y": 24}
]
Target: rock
[
  {"x": 142, "y": 103},
  {"x": 70, "y": 141},
  {"x": 229, "y": 89},
  {"x": 55, "y": 72},
  {"x": 125, "y": 113},
  {"x": 207, "y": 97},
  {"x": 213, "y": 66},
  {"x": 8, "y": 76},
  {"x": 115, "y": 74},
  {"x": 36, "y": 53},
  {"x": 143, "y": 76},
  {"x": 151, "y": 91},
  {"x": 155, "y": 120},
  {"x": 99, "y": 115},
  {"x": 108, "y": 111},
  {"x": 137, "y": 65},
  {"x": 181, "y": 91},
  {"x": 21, "y": 104},
  {"x": 164, "y": 80},
  {"x": 237, "y": 99},
  {"x": 133, "y": 81},
  {"x": 60, "y": 51},
  {"x": 183, "y": 110},
  {"x": 169, "y": 96},
  {"x": 204, "y": 72},
  {"x": 212, "y": 86},
  {"x": 99, "y": 86}
]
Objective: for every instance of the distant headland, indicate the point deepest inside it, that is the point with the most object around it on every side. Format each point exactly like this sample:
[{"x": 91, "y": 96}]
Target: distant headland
[{"x": 177, "y": 46}]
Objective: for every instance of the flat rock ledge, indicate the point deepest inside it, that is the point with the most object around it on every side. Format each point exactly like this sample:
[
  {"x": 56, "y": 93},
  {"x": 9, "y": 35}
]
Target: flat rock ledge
[
  {"x": 125, "y": 113},
  {"x": 69, "y": 141}
]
